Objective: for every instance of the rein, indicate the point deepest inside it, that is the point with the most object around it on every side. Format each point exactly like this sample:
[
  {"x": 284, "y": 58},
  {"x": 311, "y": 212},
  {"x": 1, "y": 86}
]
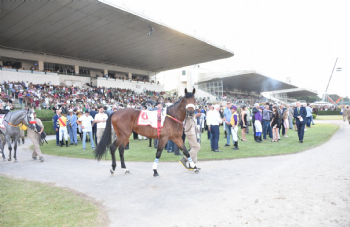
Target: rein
[{"x": 174, "y": 119}]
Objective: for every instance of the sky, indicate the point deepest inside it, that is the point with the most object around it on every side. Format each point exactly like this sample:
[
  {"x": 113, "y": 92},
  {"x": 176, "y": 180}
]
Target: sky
[{"x": 300, "y": 39}]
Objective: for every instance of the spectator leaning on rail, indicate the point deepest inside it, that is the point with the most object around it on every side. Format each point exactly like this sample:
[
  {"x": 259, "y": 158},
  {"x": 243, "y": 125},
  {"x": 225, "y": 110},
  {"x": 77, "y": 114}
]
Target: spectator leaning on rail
[
  {"x": 100, "y": 119},
  {"x": 227, "y": 119},
  {"x": 34, "y": 135},
  {"x": 72, "y": 127}
]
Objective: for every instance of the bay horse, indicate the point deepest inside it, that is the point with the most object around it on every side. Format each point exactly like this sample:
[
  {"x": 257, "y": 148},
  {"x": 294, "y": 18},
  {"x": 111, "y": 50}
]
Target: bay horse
[
  {"x": 11, "y": 122},
  {"x": 125, "y": 121}
]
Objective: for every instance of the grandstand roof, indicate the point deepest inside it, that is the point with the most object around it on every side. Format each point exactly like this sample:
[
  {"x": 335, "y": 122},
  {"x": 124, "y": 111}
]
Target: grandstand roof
[
  {"x": 248, "y": 80},
  {"x": 296, "y": 92},
  {"x": 92, "y": 30}
]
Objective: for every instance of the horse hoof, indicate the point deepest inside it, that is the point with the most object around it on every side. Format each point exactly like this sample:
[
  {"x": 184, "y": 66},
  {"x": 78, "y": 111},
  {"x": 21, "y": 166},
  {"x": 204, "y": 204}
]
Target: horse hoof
[
  {"x": 127, "y": 171},
  {"x": 156, "y": 175},
  {"x": 9, "y": 159},
  {"x": 196, "y": 171},
  {"x": 15, "y": 161},
  {"x": 112, "y": 172}
]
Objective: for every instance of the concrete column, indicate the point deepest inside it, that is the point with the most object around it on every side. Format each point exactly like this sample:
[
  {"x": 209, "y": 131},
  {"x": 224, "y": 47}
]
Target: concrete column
[
  {"x": 105, "y": 72},
  {"x": 41, "y": 65},
  {"x": 130, "y": 76},
  {"x": 76, "y": 69}
]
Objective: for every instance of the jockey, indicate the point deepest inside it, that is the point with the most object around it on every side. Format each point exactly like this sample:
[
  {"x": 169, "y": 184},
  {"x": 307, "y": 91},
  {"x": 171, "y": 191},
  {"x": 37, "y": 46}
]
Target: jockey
[{"x": 62, "y": 125}]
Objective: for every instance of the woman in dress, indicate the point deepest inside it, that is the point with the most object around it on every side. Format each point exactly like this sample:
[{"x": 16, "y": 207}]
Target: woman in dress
[
  {"x": 285, "y": 119},
  {"x": 275, "y": 124},
  {"x": 244, "y": 122}
]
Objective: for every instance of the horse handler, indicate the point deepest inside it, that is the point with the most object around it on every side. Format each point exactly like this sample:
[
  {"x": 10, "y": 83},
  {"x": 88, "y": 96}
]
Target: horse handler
[
  {"x": 191, "y": 134},
  {"x": 33, "y": 135}
]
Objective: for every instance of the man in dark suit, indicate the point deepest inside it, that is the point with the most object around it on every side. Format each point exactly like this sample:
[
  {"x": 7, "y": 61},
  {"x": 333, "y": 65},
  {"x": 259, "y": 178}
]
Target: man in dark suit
[
  {"x": 55, "y": 118},
  {"x": 300, "y": 119},
  {"x": 93, "y": 112}
]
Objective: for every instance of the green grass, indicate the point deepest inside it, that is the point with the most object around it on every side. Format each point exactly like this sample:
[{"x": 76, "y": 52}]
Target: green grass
[
  {"x": 139, "y": 150},
  {"x": 329, "y": 117},
  {"x": 25, "y": 203}
]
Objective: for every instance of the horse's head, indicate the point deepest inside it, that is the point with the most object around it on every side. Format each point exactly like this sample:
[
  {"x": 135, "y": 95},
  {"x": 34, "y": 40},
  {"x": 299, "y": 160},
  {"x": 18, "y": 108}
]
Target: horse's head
[
  {"x": 28, "y": 120},
  {"x": 190, "y": 103}
]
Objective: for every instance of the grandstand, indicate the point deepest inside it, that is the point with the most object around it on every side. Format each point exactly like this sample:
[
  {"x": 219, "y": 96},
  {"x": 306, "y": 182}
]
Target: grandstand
[
  {"x": 249, "y": 87},
  {"x": 90, "y": 42}
]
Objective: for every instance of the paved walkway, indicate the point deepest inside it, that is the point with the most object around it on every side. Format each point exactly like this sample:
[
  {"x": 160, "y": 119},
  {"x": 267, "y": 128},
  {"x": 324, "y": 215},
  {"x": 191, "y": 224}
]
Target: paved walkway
[{"x": 311, "y": 188}]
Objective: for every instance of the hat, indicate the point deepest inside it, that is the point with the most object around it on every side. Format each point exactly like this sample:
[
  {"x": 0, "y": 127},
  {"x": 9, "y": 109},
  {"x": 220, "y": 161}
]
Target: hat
[
  {"x": 87, "y": 111},
  {"x": 233, "y": 107},
  {"x": 262, "y": 107},
  {"x": 70, "y": 111},
  {"x": 202, "y": 111}
]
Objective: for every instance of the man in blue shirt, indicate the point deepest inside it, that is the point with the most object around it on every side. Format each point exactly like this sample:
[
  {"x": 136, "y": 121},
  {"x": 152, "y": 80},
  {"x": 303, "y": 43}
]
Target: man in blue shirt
[
  {"x": 72, "y": 127},
  {"x": 308, "y": 115},
  {"x": 226, "y": 120}
]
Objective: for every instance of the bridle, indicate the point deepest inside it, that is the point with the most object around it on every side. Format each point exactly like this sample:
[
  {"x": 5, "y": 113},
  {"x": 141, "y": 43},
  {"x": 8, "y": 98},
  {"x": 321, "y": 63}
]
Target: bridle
[{"x": 187, "y": 113}]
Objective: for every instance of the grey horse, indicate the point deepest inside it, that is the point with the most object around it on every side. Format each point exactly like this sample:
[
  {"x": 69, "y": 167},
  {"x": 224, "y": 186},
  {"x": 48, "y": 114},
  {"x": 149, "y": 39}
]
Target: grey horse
[{"x": 11, "y": 122}]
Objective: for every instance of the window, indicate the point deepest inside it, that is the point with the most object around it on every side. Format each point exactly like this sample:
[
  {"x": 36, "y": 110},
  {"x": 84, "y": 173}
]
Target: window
[
  {"x": 13, "y": 64},
  {"x": 184, "y": 72}
]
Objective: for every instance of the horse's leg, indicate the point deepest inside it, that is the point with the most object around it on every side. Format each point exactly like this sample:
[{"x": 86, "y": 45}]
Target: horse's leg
[
  {"x": 8, "y": 139},
  {"x": 161, "y": 145},
  {"x": 121, "y": 155},
  {"x": 15, "y": 150},
  {"x": 179, "y": 142},
  {"x": 2, "y": 150},
  {"x": 112, "y": 148}
]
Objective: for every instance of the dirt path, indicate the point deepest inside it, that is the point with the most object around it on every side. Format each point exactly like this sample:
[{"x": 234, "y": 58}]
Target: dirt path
[{"x": 311, "y": 188}]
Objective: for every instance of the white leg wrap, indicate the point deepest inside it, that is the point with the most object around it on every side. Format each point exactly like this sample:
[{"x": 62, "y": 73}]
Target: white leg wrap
[
  {"x": 155, "y": 165},
  {"x": 192, "y": 164}
]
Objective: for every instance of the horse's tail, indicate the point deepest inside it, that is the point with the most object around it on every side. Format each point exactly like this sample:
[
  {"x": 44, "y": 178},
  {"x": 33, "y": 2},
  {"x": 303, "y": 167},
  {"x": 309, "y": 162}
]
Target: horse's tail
[{"x": 105, "y": 141}]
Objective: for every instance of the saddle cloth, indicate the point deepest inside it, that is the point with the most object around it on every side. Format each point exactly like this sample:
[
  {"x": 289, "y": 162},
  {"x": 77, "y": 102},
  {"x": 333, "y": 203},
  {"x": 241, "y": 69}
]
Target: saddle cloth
[
  {"x": 150, "y": 118},
  {"x": 2, "y": 117}
]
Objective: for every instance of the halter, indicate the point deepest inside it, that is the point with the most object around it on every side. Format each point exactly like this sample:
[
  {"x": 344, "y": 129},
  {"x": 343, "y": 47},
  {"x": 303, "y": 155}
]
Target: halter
[{"x": 175, "y": 118}]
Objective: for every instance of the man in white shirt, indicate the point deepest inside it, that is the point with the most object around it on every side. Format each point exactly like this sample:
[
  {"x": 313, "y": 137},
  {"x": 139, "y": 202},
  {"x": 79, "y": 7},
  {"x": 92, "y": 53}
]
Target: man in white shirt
[
  {"x": 100, "y": 119},
  {"x": 87, "y": 128},
  {"x": 214, "y": 122},
  {"x": 209, "y": 112}
]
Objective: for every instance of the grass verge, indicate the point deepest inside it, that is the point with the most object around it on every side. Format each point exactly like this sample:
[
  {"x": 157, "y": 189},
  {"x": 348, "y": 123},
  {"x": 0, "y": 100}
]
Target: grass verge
[
  {"x": 329, "y": 117},
  {"x": 139, "y": 150},
  {"x": 27, "y": 203}
]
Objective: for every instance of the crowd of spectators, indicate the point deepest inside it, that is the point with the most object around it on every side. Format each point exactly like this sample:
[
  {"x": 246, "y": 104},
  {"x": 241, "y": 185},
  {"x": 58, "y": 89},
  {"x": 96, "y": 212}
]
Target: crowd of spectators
[{"x": 50, "y": 96}]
